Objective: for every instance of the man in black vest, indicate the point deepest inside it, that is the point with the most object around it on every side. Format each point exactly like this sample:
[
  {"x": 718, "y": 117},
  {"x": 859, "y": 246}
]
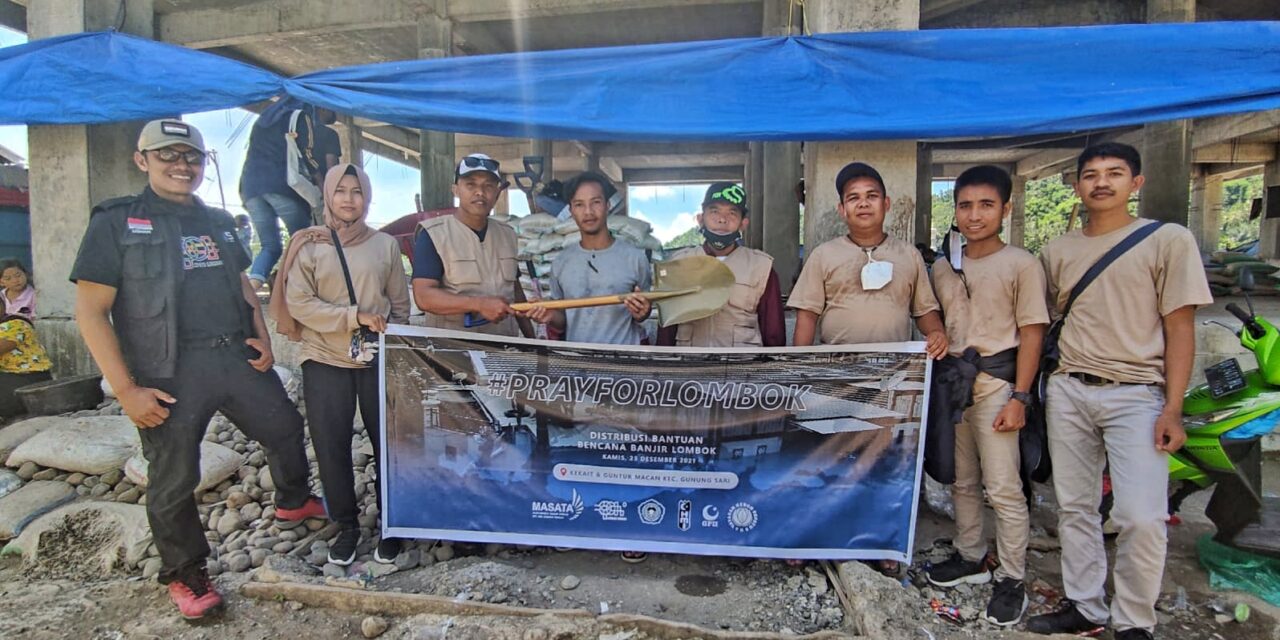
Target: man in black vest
[{"x": 168, "y": 314}]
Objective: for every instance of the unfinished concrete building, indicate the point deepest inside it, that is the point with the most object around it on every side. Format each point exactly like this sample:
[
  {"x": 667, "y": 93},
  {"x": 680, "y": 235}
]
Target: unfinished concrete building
[{"x": 72, "y": 167}]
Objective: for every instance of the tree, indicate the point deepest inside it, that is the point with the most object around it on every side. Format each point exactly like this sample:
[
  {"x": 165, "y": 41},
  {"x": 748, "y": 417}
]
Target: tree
[
  {"x": 1237, "y": 200},
  {"x": 689, "y": 238}
]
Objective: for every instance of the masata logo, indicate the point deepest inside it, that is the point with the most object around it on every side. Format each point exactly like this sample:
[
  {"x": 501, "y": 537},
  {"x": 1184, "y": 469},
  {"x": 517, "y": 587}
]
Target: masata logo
[{"x": 558, "y": 510}]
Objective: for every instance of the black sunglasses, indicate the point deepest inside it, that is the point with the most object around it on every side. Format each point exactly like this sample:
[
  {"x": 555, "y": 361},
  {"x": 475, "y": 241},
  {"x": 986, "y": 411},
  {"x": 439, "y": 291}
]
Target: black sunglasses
[
  {"x": 471, "y": 162},
  {"x": 192, "y": 157}
]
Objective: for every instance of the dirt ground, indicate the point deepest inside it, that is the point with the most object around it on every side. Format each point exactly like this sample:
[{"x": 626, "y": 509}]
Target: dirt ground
[{"x": 713, "y": 593}]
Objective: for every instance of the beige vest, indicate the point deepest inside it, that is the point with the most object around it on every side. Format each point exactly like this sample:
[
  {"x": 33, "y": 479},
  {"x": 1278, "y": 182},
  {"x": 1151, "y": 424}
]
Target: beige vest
[
  {"x": 474, "y": 268},
  {"x": 735, "y": 325}
]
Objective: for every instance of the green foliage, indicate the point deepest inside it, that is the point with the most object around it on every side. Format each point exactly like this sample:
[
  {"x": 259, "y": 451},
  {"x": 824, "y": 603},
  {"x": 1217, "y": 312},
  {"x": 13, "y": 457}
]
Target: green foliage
[
  {"x": 1237, "y": 198},
  {"x": 689, "y": 238},
  {"x": 1048, "y": 206}
]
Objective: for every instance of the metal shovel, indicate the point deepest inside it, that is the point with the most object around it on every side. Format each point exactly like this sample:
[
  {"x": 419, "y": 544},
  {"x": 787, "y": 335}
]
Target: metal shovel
[{"x": 684, "y": 290}]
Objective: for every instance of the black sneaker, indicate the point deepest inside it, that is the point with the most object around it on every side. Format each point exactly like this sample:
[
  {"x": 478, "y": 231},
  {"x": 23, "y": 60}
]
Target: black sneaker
[
  {"x": 1134, "y": 634},
  {"x": 956, "y": 570},
  {"x": 388, "y": 549},
  {"x": 343, "y": 549},
  {"x": 1008, "y": 603},
  {"x": 1065, "y": 619}
]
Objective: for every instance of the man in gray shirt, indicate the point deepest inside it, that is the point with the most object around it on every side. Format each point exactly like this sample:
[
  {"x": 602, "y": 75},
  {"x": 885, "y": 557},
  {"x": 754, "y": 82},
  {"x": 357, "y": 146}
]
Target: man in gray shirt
[{"x": 598, "y": 265}]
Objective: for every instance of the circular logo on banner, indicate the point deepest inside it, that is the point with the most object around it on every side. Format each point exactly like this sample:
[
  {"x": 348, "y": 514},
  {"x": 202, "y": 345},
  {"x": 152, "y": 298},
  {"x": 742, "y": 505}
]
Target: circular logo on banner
[
  {"x": 651, "y": 511},
  {"x": 743, "y": 517}
]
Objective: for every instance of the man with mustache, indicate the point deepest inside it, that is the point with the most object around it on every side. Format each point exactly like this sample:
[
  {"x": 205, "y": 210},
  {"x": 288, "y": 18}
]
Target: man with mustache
[
  {"x": 176, "y": 329},
  {"x": 1126, "y": 351},
  {"x": 465, "y": 273}
]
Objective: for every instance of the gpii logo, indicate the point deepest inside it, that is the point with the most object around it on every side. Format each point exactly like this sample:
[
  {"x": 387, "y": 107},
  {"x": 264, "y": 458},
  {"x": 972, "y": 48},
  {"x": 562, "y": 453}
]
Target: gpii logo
[{"x": 612, "y": 510}]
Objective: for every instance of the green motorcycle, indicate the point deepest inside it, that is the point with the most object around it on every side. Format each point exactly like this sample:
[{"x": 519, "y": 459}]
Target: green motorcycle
[{"x": 1226, "y": 419}]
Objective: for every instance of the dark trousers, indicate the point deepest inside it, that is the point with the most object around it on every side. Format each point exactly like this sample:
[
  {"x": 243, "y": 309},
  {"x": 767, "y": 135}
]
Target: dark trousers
[
  {"x": 209, "y": 380},
  {"x": 332, "y": 395}
]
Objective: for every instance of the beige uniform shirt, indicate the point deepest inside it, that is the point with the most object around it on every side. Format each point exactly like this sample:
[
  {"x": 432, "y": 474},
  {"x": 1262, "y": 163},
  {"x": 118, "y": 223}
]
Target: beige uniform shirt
[
  {"x": 319, "y": 301},
  {"x": 475, "y": 268},
  {"x": 1005, "y": 291},
  {"x": 1115, "y": 328},
  {"x": 830, "y": 285},
  {"x": 735, "y": 325}
]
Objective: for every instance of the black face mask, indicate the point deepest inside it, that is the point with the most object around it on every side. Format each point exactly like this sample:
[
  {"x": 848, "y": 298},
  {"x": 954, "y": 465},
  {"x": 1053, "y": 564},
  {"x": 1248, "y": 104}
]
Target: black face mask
[{"x": 720, "y": 241}]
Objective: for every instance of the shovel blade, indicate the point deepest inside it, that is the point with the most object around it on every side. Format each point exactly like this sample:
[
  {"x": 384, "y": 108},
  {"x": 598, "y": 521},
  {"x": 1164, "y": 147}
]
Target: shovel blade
[{"x": 711, "y": 277}]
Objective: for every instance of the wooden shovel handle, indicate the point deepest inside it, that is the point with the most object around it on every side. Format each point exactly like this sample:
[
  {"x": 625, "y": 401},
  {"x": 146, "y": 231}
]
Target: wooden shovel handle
[{"x": 600, "y": 301}]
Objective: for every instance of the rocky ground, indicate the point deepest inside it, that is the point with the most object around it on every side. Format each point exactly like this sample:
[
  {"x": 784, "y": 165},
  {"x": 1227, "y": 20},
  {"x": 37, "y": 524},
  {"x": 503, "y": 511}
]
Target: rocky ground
[{"x": 65, "y": 591}]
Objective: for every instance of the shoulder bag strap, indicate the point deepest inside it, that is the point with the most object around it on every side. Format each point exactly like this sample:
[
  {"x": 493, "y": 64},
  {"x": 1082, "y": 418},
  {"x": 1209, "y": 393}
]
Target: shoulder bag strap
[
  {"x": 1105, "y": 261},
  {"x": 342, "y": 257}
]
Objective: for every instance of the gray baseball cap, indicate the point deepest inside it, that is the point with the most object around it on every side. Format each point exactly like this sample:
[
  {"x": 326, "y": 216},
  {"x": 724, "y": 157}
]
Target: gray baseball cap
[{"x": 159, "y": 134}]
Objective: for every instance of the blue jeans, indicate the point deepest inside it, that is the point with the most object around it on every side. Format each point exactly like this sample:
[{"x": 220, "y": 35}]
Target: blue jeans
[{"x": 266, "y": 211}]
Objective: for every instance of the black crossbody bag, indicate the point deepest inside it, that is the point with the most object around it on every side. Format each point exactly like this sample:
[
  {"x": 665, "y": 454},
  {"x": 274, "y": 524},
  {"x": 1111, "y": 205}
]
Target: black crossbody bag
[
  {"x": 364, "y": 343},
  {"x": 1050, "y": 354}
]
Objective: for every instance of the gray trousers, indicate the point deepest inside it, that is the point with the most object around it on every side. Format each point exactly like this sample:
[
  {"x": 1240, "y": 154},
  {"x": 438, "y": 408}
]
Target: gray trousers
[
  {"x": 1089, "y": 425},
  {"x": 989, "y": 459}
]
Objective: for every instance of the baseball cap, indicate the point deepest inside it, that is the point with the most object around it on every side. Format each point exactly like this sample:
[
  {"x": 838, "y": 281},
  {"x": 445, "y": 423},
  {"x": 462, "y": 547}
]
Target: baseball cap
[
  {"x": 726, "y": 192},
  {"x": 855, "y": 170},
  {"x": 477, "y": 162},
  {"x": 159, "y": 134}
]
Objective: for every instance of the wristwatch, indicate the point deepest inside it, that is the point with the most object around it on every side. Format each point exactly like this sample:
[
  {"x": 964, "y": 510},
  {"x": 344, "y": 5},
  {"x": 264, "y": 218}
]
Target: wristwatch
[{"x": 1021, "y": 396}]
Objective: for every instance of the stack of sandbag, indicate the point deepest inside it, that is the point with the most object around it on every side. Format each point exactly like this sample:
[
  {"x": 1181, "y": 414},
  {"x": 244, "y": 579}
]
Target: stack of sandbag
[
  {"x": 1233, "y": 273},
  {"x": 542, "y": 237}
]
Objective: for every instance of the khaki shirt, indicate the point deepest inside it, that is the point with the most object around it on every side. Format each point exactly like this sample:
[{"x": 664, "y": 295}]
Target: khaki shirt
[
  {"x": 830, "y": 285},
  {"x": 736, "y": 324},
  {"x": 1115, "y": 329},
  {"x": 1005, "y": 292},
  {"x": 475, "y": 268},
  {"x": 318, "y": 298}
]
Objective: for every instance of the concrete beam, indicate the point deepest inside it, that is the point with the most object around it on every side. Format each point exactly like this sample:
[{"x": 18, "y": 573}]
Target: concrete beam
[
  {"x": 1054, "y": 161},
  {"x": 610, "y": 168},
  {"x": 1018, "y": 212},
  {"x": 13, "y": 16},
  {"x": 437, "y": 159},
  {"x": 672, "y": 175},
  {"x": 1231, "y": 171},
  {"x": 496, "y": 10},
  {"x": 476, "y": 39},
  {"x": 275, "y": 19},
  {"x": 1230, "y": 153},
  {"x": 951, "y": 170},
  {"x": 1209, "y": 131},
  {"x": 934, "y": 9}
]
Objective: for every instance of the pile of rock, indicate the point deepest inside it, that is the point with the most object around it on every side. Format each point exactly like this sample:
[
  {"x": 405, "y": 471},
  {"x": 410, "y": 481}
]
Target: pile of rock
[{"x": 95, "y": 456}]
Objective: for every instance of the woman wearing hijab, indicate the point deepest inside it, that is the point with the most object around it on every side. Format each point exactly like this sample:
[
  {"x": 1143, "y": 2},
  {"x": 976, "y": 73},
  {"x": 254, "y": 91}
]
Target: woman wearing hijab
[{"x": 336, "y": 317}]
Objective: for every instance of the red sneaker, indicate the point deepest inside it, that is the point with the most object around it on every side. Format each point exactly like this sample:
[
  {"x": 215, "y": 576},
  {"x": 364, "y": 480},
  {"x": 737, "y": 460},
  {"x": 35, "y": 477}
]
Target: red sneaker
[
  {"x": 194, "y": 594},
  {"x": 312, "y": 508}
]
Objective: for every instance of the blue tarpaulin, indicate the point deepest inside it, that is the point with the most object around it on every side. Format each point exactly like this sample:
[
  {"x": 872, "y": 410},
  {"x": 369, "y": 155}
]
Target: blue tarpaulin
[{"x": 857, "y": 86}]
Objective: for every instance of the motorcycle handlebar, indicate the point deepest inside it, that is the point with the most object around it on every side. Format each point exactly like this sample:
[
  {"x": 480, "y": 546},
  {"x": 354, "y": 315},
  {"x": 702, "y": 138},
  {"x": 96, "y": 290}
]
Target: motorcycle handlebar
[
  {"x": 1239, "y": 313},
  {"x": 1250, "y": 324}
]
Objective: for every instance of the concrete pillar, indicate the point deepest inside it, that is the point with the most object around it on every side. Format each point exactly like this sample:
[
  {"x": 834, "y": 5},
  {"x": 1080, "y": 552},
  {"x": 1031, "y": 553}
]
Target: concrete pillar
[
  {"x": 1166, "y": 146},
  {"x": 1206, "y": 210},
  {"x": 779, "y": 217},
  {"x": 546, "y": 149},
  {"x": 1018, "y": 214},
  {"x": 895, "y": 160},
  {"x": 72, "y": 168},
  {"x": 1211, "y": 208},
  {"x": 352, "y": 141},
  {"x": 1269, "y": 236},
  {"x": 754, "y": 184},
  {"x": 924, "y": 195},
  {"x": 435, "y": 39}
]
